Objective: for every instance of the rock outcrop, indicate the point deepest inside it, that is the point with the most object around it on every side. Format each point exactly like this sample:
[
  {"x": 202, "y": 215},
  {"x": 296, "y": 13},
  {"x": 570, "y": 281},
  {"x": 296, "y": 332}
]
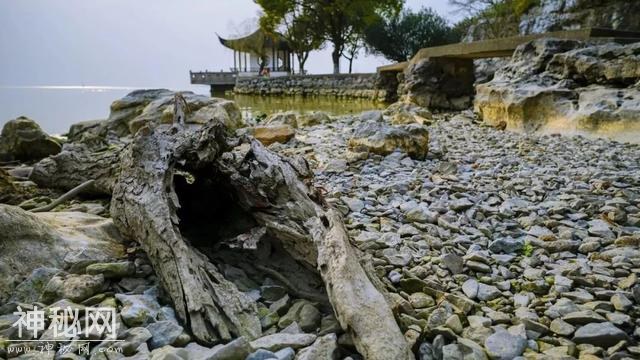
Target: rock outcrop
[
  {"x": 55, "y": 240},
  {"x": 150, "y": 107},
  {"x": 407, "y": 113},
  {"x": 553, "y": 15},
  {"x": 542, "y": 16},
  {"x": 566, "y": 86},
  {"x": 8, "y": 191},
  {"x": 22, "y": 139},
  {"x": 379, "y": 138},
  {"x": 269, "y": 134},
  {"x": 439, "y": 83},
  {"x": 295, "y": 119}
]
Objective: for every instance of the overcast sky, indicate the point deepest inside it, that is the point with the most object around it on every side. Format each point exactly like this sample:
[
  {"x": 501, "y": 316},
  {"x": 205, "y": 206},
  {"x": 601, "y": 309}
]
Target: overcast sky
[{"x": 137, "y": 43}]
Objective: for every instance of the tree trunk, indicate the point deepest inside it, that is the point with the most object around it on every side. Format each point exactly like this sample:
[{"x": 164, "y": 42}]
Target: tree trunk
[
  {"x": 302, "y": 59},
  {"x": 335, "y": 55},
  {"x": 350, "y": 64},
  {"x": 193, "y": 197}
]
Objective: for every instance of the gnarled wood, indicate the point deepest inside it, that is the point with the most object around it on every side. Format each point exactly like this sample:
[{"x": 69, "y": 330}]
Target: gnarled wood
[
  {"x": 360, "y": 307},
  {"x": 166, "y": 177},
  {"x": 77, "y": 164},
  {"x": 144, "y": 205}
]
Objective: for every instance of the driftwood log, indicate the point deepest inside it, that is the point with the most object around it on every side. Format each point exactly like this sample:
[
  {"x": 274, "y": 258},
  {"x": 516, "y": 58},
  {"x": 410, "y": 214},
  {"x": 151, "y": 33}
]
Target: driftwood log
[
  {"x": 75, "y": 165},
  {"x": 186, "y": 194}
]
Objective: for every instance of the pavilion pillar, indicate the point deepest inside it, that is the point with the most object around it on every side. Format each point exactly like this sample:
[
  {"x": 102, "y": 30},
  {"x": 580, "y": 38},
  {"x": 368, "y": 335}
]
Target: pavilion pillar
[
  {"x": 245, "y": 62},
  {"x": 285, "y": 54},
  {"x": 234, "y": 61}
]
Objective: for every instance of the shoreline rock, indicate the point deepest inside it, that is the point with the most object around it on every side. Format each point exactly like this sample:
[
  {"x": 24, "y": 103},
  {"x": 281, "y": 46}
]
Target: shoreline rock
[
  {"x": 567, "y": 87},
  {"x": 22, "y": 139}
]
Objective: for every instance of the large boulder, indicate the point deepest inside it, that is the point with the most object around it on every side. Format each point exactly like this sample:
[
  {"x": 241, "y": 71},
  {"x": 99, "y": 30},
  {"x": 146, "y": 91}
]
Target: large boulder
[
  {"x": 407, "y": 113},
  {"x": 313, "y": 118},
  {"x": 296, "y": 120},
  {"x": 22, "y": 139},
  {"x": 269, "y": 134},
  {"x": 439, "y": 83},
  {"x": 90, "y": 133},
  {"x": 382, "y": 139},
  {"x": 7, "y": 188},
  {"x": 283, "y": 118},
  {"x": 566, "y": 86},
  {"x": 149, "y": 107},
  {"x": 57, "y": 240},
  {"x": 125, "y": 110},
  {"x": 200, "y": 110}
]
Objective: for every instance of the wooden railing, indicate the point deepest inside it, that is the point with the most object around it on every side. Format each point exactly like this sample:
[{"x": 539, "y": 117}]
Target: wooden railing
[{"x": 213, "y": 78}]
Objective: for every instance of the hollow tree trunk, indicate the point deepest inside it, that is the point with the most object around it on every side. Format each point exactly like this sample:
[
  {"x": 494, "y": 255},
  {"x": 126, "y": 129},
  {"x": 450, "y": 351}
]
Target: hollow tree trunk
[
  {"x": 144, "y": 206},
  {"x": 274, "y": 191}
]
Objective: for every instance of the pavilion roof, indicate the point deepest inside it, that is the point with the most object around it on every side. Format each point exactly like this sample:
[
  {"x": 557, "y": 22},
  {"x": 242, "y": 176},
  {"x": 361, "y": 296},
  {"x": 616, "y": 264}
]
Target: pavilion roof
[{"x": 256, "y": 42}]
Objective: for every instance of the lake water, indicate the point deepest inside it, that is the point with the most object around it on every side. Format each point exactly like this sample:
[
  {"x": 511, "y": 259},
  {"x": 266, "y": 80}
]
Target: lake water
[
  {"x": 56, "y": 108},
  {"x": 253, "y": 106}
]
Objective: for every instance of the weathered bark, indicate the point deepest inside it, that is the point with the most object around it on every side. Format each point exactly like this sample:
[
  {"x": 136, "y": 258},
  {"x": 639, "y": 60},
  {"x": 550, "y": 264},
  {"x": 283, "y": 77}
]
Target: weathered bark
[
  {"x": 359, "y": 306},
  {"x": 144, "y": 206},
  {"x": 77, "y": 164},
  {"x": 166, "y": 176}
]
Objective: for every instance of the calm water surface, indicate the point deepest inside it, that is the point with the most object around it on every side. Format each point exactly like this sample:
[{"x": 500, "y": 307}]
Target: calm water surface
[{"x": 56, "y": 108}]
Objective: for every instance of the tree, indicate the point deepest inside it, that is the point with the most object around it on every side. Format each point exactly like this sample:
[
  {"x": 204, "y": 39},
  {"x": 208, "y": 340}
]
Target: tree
[
  {"x": 334, "y": 21},
  {"x": 400, "y": 37},
  {"x": 296, "y": 25},
  {"x": 353, "y": 46}
]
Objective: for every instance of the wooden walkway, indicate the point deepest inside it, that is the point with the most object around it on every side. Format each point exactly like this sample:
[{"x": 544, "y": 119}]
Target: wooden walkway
[{"x": 504, "y": 47}]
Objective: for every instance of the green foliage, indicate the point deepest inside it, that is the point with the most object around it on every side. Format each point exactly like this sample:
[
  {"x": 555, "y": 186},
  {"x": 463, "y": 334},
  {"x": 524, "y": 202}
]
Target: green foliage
[
  {"x": 260, "y": 117},
  {"x": 334, "y": 21},
  {"x": 521, "y": 6},
  {"x": 295, "y": 24},
  {"x": 398, "y": 38},
  {"x": 527, "y": 250}
]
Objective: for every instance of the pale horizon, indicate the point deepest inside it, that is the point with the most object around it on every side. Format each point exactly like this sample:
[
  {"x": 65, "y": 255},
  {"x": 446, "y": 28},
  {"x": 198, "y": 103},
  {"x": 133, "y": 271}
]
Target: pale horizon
[{"x": 46, "y": 42}]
